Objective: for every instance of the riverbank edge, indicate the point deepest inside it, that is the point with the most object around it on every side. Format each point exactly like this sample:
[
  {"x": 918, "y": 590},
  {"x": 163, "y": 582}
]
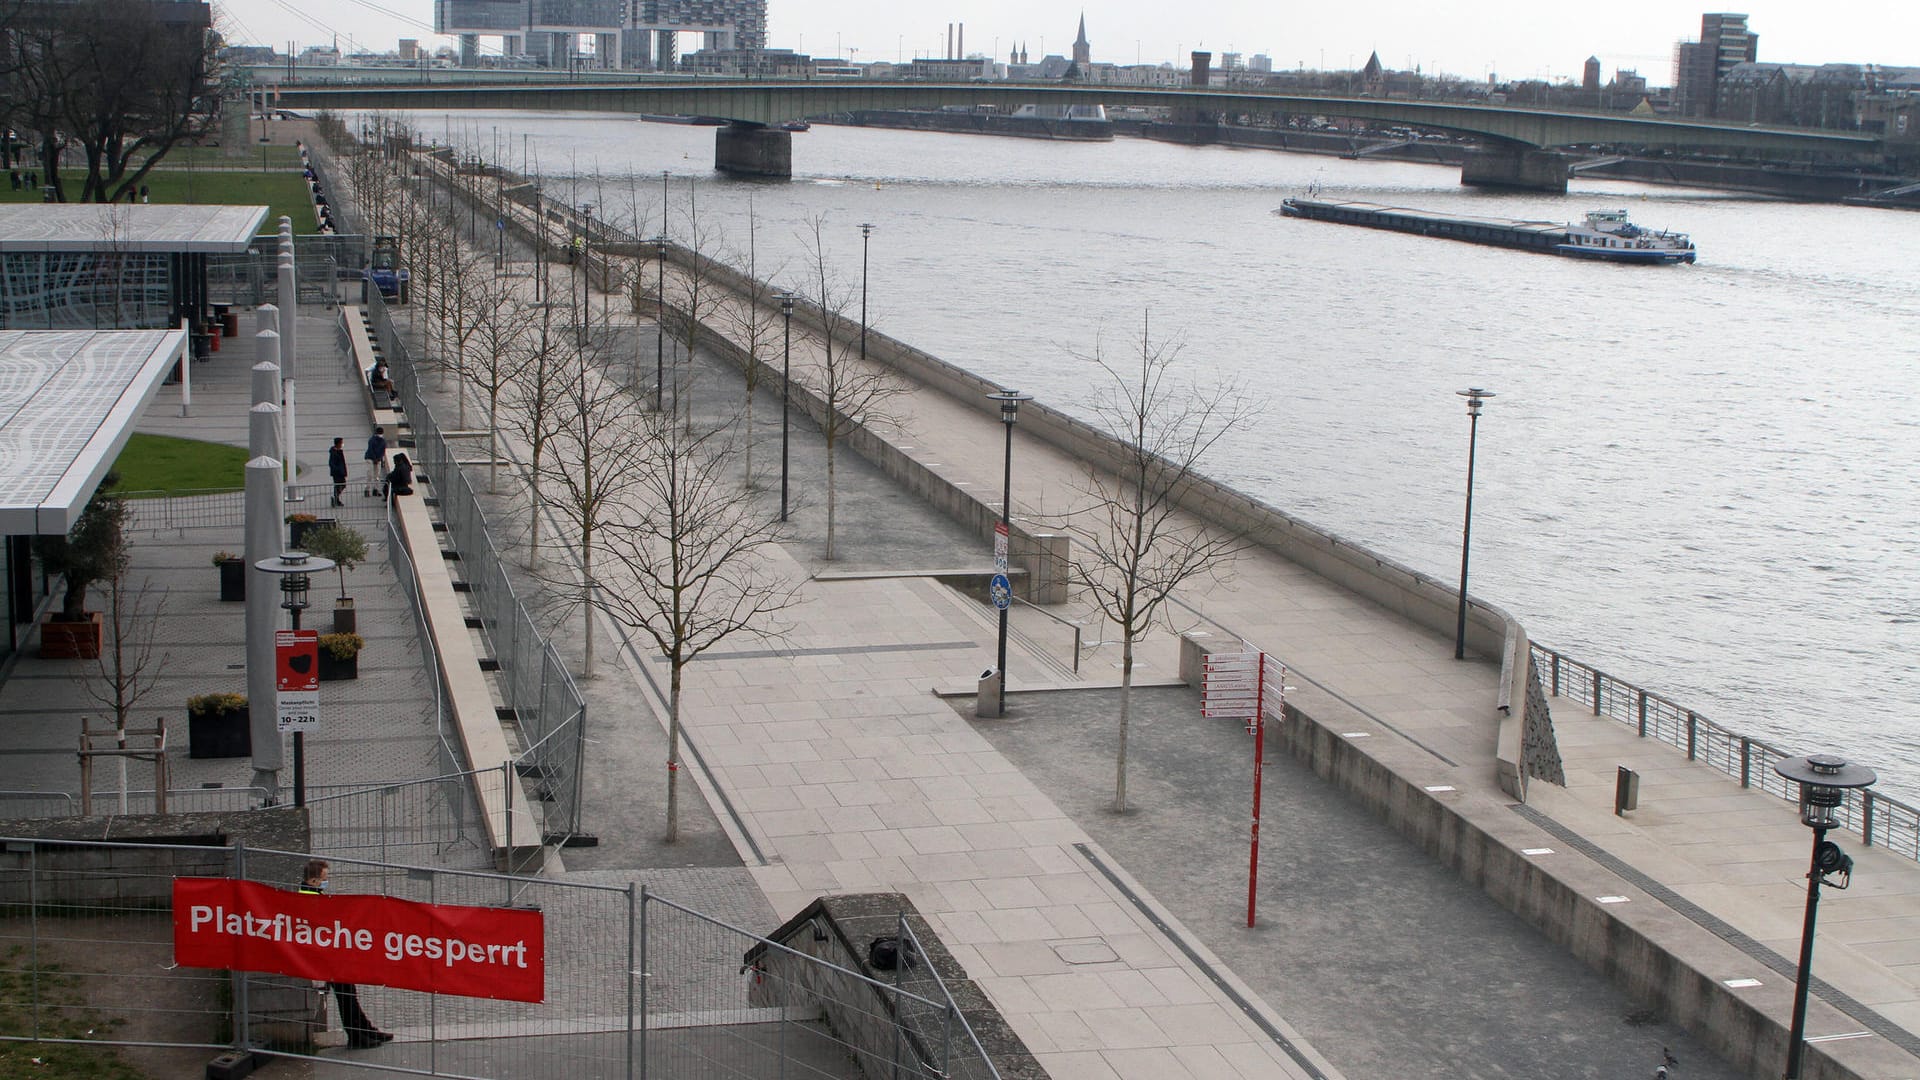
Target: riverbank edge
[{"x": 1652, "y": 952}]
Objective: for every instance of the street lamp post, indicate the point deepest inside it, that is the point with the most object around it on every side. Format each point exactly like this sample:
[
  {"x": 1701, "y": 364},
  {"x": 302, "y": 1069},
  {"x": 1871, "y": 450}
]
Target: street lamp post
[
  {"x": 1824, "y": 781},
  {"x": 660, "y": 322},
  {"x": 1475, "y": 398},
  {"x": 293, "y": 569},
  {"x": 786, "y": 378},
  {"x": 586, "y": 270},
  {"x": 866, "y": 231},
  {"x": 1009, "y": 400}
]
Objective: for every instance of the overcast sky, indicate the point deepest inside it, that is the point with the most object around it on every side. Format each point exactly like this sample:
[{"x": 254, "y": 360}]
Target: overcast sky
[{"x": 1515, "y": 38}]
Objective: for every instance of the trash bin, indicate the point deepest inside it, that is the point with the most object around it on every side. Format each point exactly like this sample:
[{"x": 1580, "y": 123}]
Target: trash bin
[{"x": 986, "y": 703}]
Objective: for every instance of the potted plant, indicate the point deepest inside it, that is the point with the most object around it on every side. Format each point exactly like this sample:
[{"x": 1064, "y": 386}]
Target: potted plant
[
  {"x": 233, "y": 576},
  {"x": 340, "y": 656},
  {"x": 302, "y": 524},
  {"x": 218, "y": 726},
  {"x": 95, "y": 549},
  {"x": 348, "y": 549}
]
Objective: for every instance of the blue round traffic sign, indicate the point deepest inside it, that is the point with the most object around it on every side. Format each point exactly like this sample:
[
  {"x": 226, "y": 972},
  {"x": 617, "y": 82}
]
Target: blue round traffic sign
[{"x": 1002, "y": 591}]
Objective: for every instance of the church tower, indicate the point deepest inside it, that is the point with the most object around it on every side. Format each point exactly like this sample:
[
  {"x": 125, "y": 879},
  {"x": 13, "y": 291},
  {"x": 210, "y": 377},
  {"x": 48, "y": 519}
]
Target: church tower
[{"x": 1082, "y": 52}]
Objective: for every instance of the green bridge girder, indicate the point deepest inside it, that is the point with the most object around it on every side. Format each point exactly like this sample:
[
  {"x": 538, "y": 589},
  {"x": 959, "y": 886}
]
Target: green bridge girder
[{"x": 759, "y": 101}]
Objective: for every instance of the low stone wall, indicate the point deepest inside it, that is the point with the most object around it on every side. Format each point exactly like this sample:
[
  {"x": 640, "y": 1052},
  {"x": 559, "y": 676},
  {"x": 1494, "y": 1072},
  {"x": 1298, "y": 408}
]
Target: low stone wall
[
  {"x": 838, "y": 930},
  {"x": 1653, "y": 954},
  {"x": 121, "y": 863}
]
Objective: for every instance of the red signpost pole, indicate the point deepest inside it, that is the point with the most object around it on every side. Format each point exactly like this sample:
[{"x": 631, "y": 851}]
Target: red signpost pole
[{"x": 1259, "y": 747}]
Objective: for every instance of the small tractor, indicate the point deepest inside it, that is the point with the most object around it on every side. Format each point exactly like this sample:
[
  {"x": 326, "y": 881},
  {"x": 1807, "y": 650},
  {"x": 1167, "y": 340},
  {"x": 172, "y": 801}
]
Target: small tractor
[{"x": 385, "y": 271}]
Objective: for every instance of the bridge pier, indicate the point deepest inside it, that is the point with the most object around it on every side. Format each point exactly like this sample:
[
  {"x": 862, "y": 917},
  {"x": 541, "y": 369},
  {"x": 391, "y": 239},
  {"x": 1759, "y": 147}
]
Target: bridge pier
[
  {"x": 753, "y": 150},
  {"x": 1515, "y": 167}
]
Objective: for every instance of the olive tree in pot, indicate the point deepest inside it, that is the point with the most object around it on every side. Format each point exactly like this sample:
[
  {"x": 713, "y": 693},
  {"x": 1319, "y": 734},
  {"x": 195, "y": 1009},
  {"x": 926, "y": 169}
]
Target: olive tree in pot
[
  {"x": 95, "y": 549},
  {"x": 348, "y": 549}
]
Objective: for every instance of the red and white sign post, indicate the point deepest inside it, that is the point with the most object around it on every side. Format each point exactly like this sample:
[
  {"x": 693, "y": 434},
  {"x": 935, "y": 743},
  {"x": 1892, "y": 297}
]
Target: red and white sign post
[
  {"x": 1238, "y": 686},
  {"x": 296, "y": 684}
]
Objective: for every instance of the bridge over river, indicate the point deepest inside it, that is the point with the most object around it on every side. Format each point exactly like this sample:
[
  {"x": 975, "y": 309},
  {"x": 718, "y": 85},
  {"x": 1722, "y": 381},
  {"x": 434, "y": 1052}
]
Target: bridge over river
[{"x": 1518, "y": 147}]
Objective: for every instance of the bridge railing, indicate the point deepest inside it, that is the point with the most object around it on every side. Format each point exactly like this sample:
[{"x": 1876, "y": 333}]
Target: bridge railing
[{"x": 1879, "y": 820}]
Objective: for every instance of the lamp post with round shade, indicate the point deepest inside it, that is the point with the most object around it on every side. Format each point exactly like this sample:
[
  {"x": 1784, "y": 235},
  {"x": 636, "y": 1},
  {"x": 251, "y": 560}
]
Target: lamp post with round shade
[
  {"x": 294, "y": 568},
  {"x": 1824, "y": 781},
  {"x": 786, "y": 380},
  {"x": 1009, "y": 412},
  {"x": 1475, "y": 398}
]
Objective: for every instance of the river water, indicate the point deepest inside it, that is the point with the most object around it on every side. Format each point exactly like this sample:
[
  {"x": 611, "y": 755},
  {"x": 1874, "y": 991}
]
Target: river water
[{"x": 1700, "y": 479}]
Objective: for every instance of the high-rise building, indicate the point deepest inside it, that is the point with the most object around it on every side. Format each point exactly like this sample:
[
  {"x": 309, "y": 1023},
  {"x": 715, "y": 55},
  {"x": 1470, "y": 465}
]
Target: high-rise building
[
  {"x": 628, "y": 34},
  {"x": 1698, "y": 66}
]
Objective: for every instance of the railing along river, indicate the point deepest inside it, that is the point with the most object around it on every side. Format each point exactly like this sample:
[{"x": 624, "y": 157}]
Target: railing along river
[{"x": 1877, "y": 819}]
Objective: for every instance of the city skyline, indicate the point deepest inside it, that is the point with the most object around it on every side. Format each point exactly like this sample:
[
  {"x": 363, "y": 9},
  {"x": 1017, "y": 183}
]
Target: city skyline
[{"x": 1504, "y": 37}]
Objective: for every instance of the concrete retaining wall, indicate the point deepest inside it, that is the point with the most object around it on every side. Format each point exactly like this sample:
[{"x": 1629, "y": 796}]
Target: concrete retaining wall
[{"x": 1653, "y": 954}]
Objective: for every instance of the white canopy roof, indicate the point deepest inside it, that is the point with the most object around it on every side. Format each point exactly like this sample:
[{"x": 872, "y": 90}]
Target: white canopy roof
[
  {"x": 68, "y": 402},
  {"x": 126, "y": 227}
]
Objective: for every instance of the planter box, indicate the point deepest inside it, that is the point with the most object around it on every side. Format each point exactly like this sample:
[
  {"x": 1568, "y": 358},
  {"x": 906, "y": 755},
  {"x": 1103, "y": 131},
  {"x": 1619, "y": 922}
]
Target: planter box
[
  {"x": 233, "y": 580},
  {"x": 344, "y": 619},
  {"x": 297, "y": 533},
  {"x": 224, "y": 734},
  {"x": 332, "y": 670},
  {"x": 71, "y": 640}
]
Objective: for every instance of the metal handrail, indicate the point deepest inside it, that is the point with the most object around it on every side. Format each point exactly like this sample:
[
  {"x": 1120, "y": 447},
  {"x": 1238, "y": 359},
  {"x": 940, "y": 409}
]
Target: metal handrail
[
  {"x": 1879, "y": 820},
  {"x": 1062, "y": 621}
]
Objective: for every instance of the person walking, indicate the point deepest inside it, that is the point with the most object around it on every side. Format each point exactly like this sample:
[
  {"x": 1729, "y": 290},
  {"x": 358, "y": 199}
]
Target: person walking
[
  {"x": 361, "y": 1034},
  {"x": 337, "y": 466},
  {"x": 376, "y": 457}
]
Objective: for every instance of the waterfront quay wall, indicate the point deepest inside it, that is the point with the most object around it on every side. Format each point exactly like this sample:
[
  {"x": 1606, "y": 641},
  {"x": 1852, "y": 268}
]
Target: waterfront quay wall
[{"x": 1651, "y": 952}]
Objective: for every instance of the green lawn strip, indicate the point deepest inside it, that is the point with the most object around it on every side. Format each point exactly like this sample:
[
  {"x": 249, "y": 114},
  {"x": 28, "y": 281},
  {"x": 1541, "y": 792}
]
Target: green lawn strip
[
  {"x": 61, "y": 1014},
  {"x": 282, "y": 191},
  {"x": 161, "y": 463}
]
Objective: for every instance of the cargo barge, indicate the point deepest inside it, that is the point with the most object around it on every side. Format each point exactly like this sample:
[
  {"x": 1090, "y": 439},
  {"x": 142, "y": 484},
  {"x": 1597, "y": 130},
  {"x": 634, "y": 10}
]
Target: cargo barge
[{"x": 1606, "y": 235}]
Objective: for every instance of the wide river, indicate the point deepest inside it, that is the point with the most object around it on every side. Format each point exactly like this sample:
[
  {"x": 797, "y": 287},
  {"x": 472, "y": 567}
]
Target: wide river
[{"x": 1701, "y": 479}]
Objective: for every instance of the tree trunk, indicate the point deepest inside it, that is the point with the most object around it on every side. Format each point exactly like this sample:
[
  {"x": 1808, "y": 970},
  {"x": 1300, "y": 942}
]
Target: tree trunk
[
  {"x": 830, "y": 500},
  {"x": 586, "y": 608},
  {"x": 673, "y": 752},
  {"x": 1126, "y": 711},
  {"x": 493, "y": 442}
]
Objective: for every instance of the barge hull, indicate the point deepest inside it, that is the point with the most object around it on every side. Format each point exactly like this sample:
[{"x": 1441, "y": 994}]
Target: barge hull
[{"x": 1541, "y": 236}]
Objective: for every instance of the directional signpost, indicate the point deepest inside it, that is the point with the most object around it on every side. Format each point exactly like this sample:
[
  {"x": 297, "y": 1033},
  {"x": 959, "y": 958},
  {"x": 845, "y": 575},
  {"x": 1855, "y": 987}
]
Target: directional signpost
[{"x": 1245, "y": 686}]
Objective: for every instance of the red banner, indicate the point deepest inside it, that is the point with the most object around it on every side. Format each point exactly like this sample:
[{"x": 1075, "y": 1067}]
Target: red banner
[{"x": 468, "y": 951}]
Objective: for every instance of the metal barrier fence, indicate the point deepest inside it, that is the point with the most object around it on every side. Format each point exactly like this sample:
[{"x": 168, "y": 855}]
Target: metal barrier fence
[
  {"x": 251, "y": 278},
  {"x": 1878, "y": 820},
  {"x": 159, "y": 511},
  {"x": 547, "y": 706},
  {"x": 636, "y": 986}
]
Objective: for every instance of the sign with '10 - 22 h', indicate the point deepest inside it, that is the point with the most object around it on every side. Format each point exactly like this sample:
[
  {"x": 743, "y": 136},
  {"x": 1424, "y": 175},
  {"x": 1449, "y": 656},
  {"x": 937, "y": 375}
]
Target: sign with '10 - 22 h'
[{"x": 296, "y": 679}]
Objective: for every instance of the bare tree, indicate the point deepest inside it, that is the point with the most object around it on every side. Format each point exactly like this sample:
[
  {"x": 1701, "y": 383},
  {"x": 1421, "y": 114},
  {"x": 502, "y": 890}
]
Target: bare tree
[
  {"x": 694, "y": 299},
  {"x": 499, "y": 336},
  {"x": 1135, "y": 546},
  {"x": 691, "y": 551},
  {"x": 852, "y": 395},
  {"x": 533, "y": 396},
  {"x": 124, "y": 81},
  {"x": 750, "y": 318},
  {"x": 591, "y": 462}
]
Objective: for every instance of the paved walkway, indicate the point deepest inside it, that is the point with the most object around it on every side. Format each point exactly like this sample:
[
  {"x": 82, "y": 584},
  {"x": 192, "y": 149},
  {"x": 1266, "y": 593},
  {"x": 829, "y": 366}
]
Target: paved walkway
[{"x": 848, "y": 774}]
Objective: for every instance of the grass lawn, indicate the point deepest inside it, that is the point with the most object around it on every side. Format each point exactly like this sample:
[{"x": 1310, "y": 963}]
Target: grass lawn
[
  {"x": 282, "y": 189},
  {"x": 165, "y": 464}
]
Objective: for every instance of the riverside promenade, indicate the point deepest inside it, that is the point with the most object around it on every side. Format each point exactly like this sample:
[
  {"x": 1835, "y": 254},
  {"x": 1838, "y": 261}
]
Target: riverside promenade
[{"x": 842, "y": 757}]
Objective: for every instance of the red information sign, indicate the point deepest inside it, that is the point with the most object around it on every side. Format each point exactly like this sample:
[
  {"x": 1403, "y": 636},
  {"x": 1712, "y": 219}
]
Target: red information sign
[
  {"x": 296, "y": 656},
  {"x": 480, "y": 952}
]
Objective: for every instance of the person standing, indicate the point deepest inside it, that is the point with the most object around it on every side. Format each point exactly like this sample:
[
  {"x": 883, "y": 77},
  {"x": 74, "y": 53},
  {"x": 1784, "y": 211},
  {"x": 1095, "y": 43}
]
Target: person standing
[
  {"x": 361, "y": 1034},
  {"x": 376, "y": 457},
  {"x": 337, "y": 467}
]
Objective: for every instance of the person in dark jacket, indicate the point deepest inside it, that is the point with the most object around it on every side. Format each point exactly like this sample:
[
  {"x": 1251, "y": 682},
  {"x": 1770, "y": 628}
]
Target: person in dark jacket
[
  {"x": 376, "y": 458},
  {"x": 337, "y": 467},
  {"x": 361, "y": 1034},
  {"x": 400, "y": 480}
]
